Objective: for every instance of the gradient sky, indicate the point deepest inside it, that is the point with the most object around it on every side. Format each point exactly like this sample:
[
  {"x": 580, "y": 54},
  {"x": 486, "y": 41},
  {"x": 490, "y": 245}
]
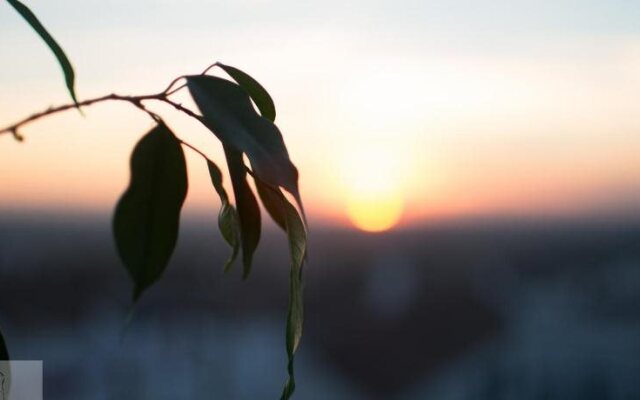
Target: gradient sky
[{"x": 512, "y": 107}]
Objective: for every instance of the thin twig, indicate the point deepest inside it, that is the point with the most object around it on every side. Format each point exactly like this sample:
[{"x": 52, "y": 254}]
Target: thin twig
[
  {"x": 169, "y": 93},
  {"x": 180, "y": 107},
  {"x": 14, "y": 129},
  {"x": 173, "y": 82},
  {"x": 135, "y": 100},
  {"x": 209, "y": 67},
  {"x": 192, "y": 147}
]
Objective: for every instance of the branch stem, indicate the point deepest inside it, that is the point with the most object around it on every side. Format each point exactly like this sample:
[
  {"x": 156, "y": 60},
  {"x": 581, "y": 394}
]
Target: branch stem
[{"x": 135, "y": 100}]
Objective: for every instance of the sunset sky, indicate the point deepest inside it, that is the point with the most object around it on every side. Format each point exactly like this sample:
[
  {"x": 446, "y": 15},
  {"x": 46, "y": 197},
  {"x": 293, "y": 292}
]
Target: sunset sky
[{"x": 410, "y": 110}]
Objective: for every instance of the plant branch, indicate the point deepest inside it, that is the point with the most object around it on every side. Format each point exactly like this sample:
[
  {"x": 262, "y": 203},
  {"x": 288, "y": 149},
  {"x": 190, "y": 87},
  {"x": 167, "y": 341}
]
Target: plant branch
[
  {"x": 215, "y": 64},
  {"x": 172, "y": 91},
  {"x": 135, "y": 100},
  {"x": 180, "y": 107},
  {"x": 168, "y": 90}
]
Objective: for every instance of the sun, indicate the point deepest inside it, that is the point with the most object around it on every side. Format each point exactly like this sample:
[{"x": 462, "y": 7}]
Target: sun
[
  {"x": 374, "y": 197},
  {"x": 375, "y": 213}
]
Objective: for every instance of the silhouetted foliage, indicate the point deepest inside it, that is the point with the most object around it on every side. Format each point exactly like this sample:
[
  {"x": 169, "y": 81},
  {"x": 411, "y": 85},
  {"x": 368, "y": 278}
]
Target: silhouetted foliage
[
  {"x": 147, "y": 217},
  {"x": 228, "y": 222},
  {"x": 63, "y": 60}
]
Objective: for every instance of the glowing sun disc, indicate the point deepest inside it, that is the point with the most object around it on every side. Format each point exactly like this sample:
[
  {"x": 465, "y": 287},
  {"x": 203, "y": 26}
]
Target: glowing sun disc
[
  {"x": 375, "y": 214},
  {"x": 373, "y": 188}
]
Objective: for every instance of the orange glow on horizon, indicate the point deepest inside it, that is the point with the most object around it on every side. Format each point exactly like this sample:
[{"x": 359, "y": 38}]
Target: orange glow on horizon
[{"x": 390, "y": 135}]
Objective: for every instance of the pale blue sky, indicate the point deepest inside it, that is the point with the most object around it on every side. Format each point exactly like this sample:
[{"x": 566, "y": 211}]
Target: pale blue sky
[{"x": 501, "y": 16}]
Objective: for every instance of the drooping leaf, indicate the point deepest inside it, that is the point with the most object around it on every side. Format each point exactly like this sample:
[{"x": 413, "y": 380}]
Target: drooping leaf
[
  {"x": 227, "y": 111},
  {"x": 4, "y": 353},
  {"x": 297, "y": 238},
  {"x": 147, "y": 216},
  {"x": 298, "y": 247},
  {"x": 267, "y": 109},
  {"x": 272, "y": 203},
  {"x": 256, "y": 91},
  {"x": 65, "y": 64},
  {"x": 228, "y": 221},
  {"x": 247, "y": 206}
]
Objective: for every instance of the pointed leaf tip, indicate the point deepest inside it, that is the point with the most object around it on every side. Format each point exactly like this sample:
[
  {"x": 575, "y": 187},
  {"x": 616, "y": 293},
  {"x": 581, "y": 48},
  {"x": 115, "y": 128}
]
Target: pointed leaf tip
[
  {"x": 297, "y": 239},
  {"x": 146, "y": 219},
  {"x": 63, "y": 60},
  {"x": 247, "y": 208},
  {"x": 228, "y": 221}
]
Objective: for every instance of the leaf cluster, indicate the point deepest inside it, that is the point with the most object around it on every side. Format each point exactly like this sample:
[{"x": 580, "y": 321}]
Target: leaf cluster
[{"x": 147, "y": 216}]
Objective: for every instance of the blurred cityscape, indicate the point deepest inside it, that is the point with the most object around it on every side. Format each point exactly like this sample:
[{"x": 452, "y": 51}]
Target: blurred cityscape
[{"x": 469, "y": 310}]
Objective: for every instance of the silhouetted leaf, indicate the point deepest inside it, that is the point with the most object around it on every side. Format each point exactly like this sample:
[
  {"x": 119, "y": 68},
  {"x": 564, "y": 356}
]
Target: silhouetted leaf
[
  {"x": 4, "y": 353},
  {"x": 228, "y": 221},
  {"x": 67, "y": 68},
  {"x": 297, "y": 239},
  {"x": 147, "y": 216},
  {"x": 272, "y": 203},
  {"x": 228, "y": 112},
  {"x": 297, "y": 236},
  {"x": 256, "y": 91},
  {"x": 247, "y": 205}
]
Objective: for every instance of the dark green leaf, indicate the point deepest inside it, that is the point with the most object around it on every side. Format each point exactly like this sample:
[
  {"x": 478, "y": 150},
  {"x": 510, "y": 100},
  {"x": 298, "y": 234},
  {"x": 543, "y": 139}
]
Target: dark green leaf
[
  {"x": 272, "y": 204},
  {"x": 148, "y": 214},
  {"x": 267, "y": 109},
  {"x": 297, "y": 238},
  {"x": 67, "y": 68},
  {"x": 247, "y": 205},
  {"x": 256, "y": 91},
  {"x": 228, "y": 222},
  {"x": 4, "y": 353},
  {"x": 228, "y": 112}
]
